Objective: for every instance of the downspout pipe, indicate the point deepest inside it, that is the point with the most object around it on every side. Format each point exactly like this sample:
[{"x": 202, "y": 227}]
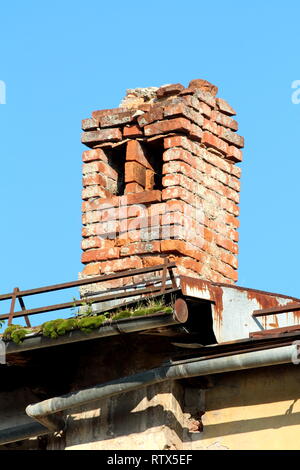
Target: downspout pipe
[
  {"x": 54, "y": 423},
  {"x": 45, "y": 410},
  {"x": 21, "y": 432}
]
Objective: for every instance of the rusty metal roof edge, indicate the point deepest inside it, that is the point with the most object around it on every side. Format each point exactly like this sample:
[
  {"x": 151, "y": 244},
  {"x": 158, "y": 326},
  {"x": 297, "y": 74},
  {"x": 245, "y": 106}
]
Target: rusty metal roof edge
[{"x": 234, "y": 286}]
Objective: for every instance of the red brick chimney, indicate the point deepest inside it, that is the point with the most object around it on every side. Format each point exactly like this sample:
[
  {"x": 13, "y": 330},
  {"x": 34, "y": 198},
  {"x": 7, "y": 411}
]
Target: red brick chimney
[{"x": 160, "y": 179}]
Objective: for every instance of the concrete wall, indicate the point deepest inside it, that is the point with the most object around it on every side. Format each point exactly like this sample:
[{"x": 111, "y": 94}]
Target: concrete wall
[
  {"x": 254, "y": 409},
  {"x": 257, "y": 409}
]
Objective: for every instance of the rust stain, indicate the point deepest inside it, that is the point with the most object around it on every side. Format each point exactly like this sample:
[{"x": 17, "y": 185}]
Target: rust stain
[
  {"x": 217, "y": 295},
  {"x": 193, "y": 283},
  {"x": 296, "y": 316},
  {"x": 275, "y": 324},
  {"x": 265, "y": 301},
  {"x": 269, "y": 301}
]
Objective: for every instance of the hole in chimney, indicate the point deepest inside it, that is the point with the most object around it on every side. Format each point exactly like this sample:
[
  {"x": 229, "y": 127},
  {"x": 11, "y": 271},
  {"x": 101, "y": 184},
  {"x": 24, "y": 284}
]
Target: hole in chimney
[
  {"x": 154, "y": 154},
  {"x": 116, "y": 160}
]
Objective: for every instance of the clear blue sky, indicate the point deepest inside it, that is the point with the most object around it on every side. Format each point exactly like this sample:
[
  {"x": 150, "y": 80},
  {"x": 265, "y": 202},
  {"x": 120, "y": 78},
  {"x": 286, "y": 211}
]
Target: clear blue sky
[{"x": 61, "y": 60}]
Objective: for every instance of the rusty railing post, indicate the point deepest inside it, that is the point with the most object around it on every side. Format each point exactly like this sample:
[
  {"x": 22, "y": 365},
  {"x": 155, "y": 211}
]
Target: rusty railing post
[
  {"x": 12, "y": 306},
  {"x": 22, "y": 305}
]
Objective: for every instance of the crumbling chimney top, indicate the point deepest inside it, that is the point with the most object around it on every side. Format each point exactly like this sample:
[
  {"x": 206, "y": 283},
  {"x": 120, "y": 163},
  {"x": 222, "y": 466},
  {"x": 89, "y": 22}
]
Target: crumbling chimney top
[
  {"x": 136, "y": 97},
  {"x": 203, "y": 85}
]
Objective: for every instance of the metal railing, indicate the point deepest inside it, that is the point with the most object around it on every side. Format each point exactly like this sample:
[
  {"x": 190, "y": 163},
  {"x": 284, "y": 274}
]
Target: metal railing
[
  {"x": 163, "y": 288},
  {"x": 292, "y": 307}
]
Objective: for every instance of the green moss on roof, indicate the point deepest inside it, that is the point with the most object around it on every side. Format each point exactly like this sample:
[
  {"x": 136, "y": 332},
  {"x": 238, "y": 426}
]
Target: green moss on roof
[{"x": 86, "y": 322}]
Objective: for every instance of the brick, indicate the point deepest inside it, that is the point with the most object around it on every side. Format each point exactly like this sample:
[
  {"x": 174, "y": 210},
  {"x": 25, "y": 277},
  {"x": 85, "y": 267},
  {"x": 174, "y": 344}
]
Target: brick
[
  {"x": 134, "y": 172},
  {"x": 91, "y": 270},
  {"x": 177, "y": 192},
  {"x": 145, "y": 107},
  {"x": 224, "y": 120},
  {"x": 176, "y": 206},
  {"x": 95, "y": 179},
  {"x": 106, "y": 204},
  {"x": 133, "y": 188},
  {"x": 231, "y": 220},
  {"x": 218, "y": 278},
  {"x": 172, "y": 180},
  {"x": 172, "y": 218},
  {"x": 97, "y": 242},
  {"x": 150, "y": 174},
  {"x": 204, "y": 85},
  {"x": 89, "y": 124},
  {"x": 151, "y": 233},
  {"x": 95, "y": 191},
  {"x": 176, "y": 232},
  {"x": 117, "y": 283},
  {"x": 236, "y": 171},
  {"x": 94, "y": 155},
  {"x": 205, "y": 110},
  {"x": 123, "y": 264},
  {"x": 129, "y": 237},
  {"x": 132, "y": 131},
  {"x": 205, "y": 97},
  {"x": 99, "y": 255},
  {"x": 223, "y": 106},
  {"x": 196, "y": 133},
  {"x": 172, "y": 167},
  {"x": 117, "y": 118},
  {"x": 141, "y": 222},
  {"x": 140, "y": 248},
  {"x": 156, "y": 209},
  {"x": 99, "y": 167},
  {"x": 172, "y": 245},
  {"x": 155, "y": 114},
  {"x": 227, "y": 244},
  {"x": 168, "y": 90},
  {"x": 185, "y": 111},
  {"x": 180, "y": 246},
  {"x": 211, "y": 126},
  {"x": 189, "y": 263},
  {"x": 212, "y": 141},
  {"x": 234, "y": 235},
  {"x": 171, "y": 125},
  {"x": 96, "y": 137},
  {"x": 192, "y": 102},
  {"x": 191, "y": 163},
  {"x": 91, "y": 217},
  {"x": 218, "y": 162},
  {"x": 175, "y": 141},
  {"x": 230, "y": 206},
  {"x": 103, "y": 112},
  {"x": 224, "y": 269},
  {"x": 106, "y": 230},
  {"x": 229, "y": 259},
  {"x": 235, "y": 154},
  {"x": 231, "y": 137},
  {"x": 135, "y": 153},
  {"x": 149, "y": 261},
  {"x": 141, "y": 198}
]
